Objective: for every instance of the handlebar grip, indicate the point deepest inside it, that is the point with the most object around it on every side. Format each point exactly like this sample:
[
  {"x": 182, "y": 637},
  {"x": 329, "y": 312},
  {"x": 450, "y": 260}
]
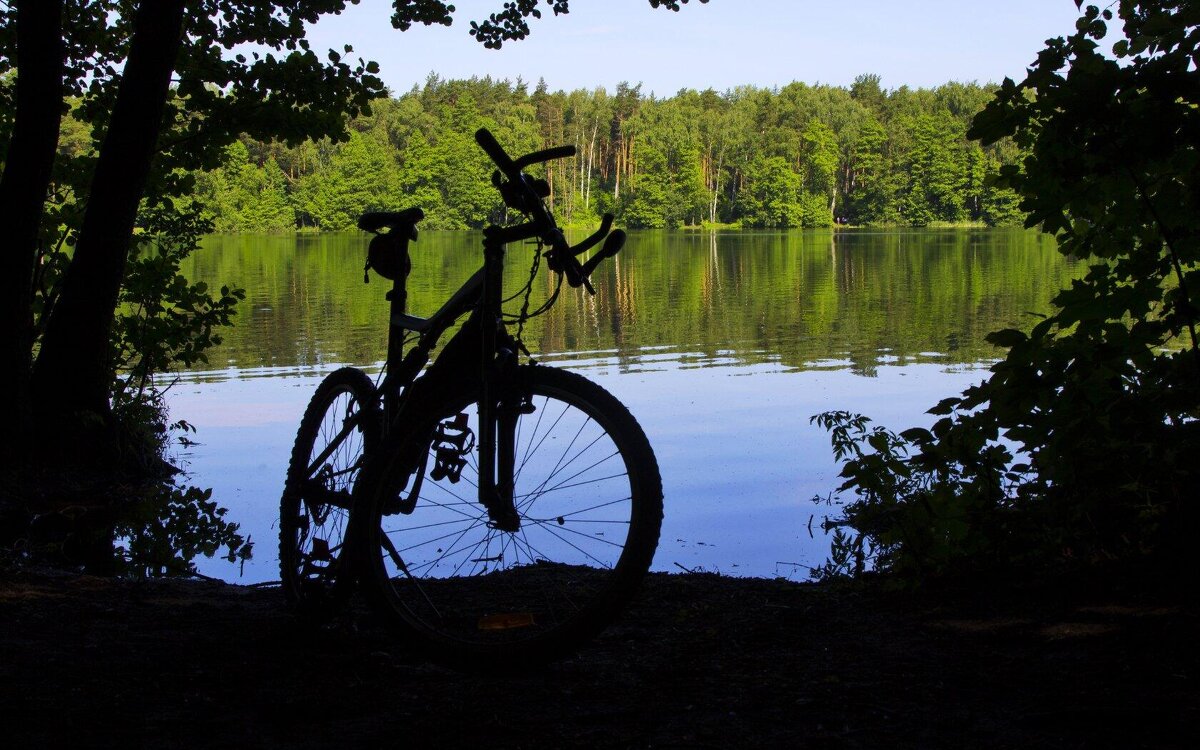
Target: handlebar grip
[
  {"x": 496, "y": 152},
  {"x": 606, "y": 222}
]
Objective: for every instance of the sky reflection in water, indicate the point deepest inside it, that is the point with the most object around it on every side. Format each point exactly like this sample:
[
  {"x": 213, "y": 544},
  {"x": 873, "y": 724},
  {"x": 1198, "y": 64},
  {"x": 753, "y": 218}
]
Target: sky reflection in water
[{"x": 740, "y": 462}]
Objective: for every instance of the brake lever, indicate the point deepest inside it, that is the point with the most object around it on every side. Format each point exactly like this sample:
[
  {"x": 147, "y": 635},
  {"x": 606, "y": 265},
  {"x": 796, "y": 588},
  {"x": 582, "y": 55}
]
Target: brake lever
[
  {"x": 580, "y": 274},
  {"x": 562, "y": 260},
  {"x": 572, "y": 269},
  {"x": 612, "y": 246}
]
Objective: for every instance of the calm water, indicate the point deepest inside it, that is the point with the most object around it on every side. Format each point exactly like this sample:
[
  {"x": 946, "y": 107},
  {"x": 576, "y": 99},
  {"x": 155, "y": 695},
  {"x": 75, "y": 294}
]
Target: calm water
[{"x": 722, "y": 345}]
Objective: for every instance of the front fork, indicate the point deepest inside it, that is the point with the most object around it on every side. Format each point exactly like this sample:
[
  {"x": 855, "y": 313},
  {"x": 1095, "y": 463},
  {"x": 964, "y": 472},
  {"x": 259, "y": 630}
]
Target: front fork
[
  {"x": 503, "y": 510},
  {"x": 499, "y": 404}
]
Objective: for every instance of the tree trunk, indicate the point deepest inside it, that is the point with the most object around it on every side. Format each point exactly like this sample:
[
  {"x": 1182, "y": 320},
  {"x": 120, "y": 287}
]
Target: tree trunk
[
  {"x": 716, "y": 187},
  {"x": 618, "y": 163},
  {"x": 74, "y": 371},
  {"x": 587, "y": 192},
  {"x": 23, "y": 191}
]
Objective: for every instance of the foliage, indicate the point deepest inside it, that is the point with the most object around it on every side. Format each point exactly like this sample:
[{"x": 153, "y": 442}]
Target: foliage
[
  {"x": 242, "y": 195},
  {"x": 799, "y": 157},
  {"x": 916, "y": 514},
  {"x": 165, "y": 321},
  {"x": 1100, "y": 399},
  {"x": 509, "y": 23}
]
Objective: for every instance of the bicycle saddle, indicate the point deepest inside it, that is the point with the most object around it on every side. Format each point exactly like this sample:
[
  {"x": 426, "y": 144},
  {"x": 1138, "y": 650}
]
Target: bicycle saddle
[{"x": 373, "y": 221}]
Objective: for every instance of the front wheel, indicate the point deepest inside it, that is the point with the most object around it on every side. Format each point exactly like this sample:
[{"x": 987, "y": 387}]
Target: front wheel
[{"x": 588, "y": 497}]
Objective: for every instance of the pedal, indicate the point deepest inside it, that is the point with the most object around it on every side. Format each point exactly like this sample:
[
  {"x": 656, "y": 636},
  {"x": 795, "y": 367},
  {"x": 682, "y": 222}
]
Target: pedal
[{"x": 453, "y": 440}]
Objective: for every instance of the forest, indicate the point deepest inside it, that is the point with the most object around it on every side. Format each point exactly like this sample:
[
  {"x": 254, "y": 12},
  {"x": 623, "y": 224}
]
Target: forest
[{"x": 800, "y": 156}]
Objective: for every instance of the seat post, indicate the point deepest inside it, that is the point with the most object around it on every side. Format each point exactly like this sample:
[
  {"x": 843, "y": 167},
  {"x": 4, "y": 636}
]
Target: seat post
[{"x": 397, "y": 296}]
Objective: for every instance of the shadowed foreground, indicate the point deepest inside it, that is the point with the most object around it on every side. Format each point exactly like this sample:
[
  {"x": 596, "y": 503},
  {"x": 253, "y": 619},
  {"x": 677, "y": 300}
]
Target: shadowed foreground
[{"x": 700, "y": 661}]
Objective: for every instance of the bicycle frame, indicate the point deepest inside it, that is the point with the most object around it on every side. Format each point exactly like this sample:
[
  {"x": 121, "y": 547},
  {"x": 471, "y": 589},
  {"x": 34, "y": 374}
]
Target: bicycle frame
[{"x": 482, "y": 291}]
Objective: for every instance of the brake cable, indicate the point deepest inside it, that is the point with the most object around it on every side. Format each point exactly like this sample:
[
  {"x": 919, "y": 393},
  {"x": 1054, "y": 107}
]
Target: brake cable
[{"x": 527, "y": 291}]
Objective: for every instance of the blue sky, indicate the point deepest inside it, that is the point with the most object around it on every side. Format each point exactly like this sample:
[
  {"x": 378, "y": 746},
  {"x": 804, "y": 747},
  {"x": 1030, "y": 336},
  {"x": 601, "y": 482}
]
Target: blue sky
[{"x": 723, "y": 44}]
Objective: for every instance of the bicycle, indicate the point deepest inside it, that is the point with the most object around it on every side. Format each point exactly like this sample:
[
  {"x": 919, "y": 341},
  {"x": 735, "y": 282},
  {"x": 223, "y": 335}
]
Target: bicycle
[{"x": 495, "y": 511}]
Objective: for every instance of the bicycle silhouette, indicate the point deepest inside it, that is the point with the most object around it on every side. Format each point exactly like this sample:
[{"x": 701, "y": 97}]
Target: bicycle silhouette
[{"x": 496, "y": 511}]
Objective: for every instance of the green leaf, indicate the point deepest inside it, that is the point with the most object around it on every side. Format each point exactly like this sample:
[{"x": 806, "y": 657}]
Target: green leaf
[
  {"x": 945, "y": 406},
  {"x": 1007, "y": 338}
]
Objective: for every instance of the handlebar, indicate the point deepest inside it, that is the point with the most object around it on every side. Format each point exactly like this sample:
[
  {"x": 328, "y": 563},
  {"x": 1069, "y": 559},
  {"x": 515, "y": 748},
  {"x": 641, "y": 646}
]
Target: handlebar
[
  {"x": 498, "y": 155},
  {"x": 512, "y": 168},
  {"x": 549, "y": 154},
  {"x": 524, "y": 194}
]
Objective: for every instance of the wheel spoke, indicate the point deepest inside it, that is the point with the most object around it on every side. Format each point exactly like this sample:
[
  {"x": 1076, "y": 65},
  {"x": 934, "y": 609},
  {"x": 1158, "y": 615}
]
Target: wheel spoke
[{"x": 585, "y": 510}]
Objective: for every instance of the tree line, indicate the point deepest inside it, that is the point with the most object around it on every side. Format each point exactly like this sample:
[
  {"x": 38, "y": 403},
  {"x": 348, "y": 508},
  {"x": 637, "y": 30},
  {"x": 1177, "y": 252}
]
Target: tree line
[{"x": 799, "y": 156}]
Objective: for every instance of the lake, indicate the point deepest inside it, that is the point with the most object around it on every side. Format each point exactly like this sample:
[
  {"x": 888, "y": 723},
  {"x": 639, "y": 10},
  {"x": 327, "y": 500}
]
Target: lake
[{"x": 722, "y": 344}]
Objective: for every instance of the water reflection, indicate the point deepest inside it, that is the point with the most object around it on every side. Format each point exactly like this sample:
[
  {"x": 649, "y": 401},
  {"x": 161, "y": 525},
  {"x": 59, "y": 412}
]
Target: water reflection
[
  {"x": 798, "y": 297},
  {"x": 722, "y": 344}
]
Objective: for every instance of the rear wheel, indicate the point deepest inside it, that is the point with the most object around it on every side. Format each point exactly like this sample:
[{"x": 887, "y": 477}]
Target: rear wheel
[
  {"x": 339, "y": 426},
  {"x": 589, "y": 501}
]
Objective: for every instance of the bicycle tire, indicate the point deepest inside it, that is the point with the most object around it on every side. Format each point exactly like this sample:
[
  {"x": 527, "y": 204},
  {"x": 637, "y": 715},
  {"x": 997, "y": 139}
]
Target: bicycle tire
[
  {"x": 485, "y": 598},
  {"x": 315, "y": 507}
]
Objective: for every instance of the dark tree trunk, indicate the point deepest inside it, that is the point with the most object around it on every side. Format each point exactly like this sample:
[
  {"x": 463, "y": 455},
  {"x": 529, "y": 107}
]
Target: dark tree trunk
[
  {"x": 23, "y": 191},
  {"x": 74, "y": 371}
]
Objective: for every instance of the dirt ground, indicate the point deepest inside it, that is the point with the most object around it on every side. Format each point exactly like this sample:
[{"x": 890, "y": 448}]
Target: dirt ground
[{"x": 700, "y": 661}]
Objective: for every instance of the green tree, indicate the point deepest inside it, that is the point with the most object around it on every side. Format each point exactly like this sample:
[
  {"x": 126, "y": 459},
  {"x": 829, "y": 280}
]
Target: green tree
[
  {"x": 241, "y": 196},
  {"x": 872, "y": 198},
  {"x": 821, "y": 160},
  {"x": 936, "y": 178},
  {"x": 419, "y": 180},
  {"x": 648, "y": 199},
  {"x": 772, "y": 194},
  {"x": 999, "y": 205},
  {"x": 667, "y": 186},
  {"x": 359, "y": 176}
]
